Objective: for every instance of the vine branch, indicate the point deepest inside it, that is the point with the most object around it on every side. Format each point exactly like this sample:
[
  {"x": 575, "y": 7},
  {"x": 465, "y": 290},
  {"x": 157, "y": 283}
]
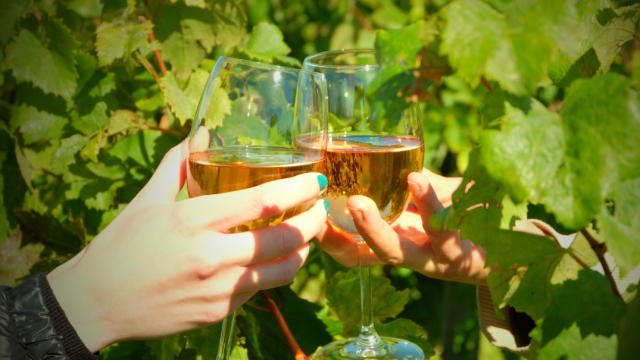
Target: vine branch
[
  {"x": 147, "y": 65},
  {"x": 298, "y": 354},
  {"x": 600, "y": 249}
]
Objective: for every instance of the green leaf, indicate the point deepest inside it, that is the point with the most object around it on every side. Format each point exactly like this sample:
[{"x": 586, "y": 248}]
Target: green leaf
[
  {"x": 92, "y": 122},
  {"x": 16, "y": 259},
  {"x": 522, "y": 157},
  {"x": 176, "y": 32},
  {"x": 12, "y": 185},
  {"x": 406, "y": 329},
  {"x": 10, "y": 12},
  {"x": 183, "y": 103},
  {"x": 387, "y": 303},
  {"x": 167, "y": 348},
  {"x": 121, "y": 121},
  {"x": 231, "y": 22},
  {"x": 66, "y": 152},
  {"x": 85, "y": 8},
  {"x": 267, "y": 40},
  {"x": 64, "y": 238},
  {"x": 118, "y": 39},
  {"x": 204, "y": 340},
  {"x": 480, "y": 41},
  {"x": 61, "y": 40},
  {"x": 146, "y": 147},
  {"x": 389, "y": 16},
  {"x": 29, "y": 60},
  {"x": 92, "y": 149},
  {"x": 628, "y": 345},
  {"x": 575, "y": 327},
  {"x": 35, "y": 125},
  {"x": 621, "y": 229},
  {"x": 617, "y": 32},
  {"x": 601, "y": 153}
]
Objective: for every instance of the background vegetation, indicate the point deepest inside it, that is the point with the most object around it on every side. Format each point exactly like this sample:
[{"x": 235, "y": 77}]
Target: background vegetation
[{"x": 536, "y": 102}]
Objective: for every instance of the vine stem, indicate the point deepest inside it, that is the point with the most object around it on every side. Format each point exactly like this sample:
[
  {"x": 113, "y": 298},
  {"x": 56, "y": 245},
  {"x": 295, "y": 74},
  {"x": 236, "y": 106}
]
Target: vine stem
[
  {"x": 282, "y": 323},
  {"x": 600, "y": 249},
  {"x": 147, "y": 65},
  {"x": 158, "y": 55}
]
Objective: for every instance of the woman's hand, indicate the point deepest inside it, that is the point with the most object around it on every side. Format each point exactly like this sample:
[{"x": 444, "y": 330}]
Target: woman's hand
[
  {"x": 409, "y": 241},
  {"x": 162, "y": 267}
]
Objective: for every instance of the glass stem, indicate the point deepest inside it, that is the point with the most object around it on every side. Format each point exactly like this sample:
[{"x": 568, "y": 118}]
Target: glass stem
[
  {"x": 226, "y": 335},
  {"x": 368, "y": 342}
]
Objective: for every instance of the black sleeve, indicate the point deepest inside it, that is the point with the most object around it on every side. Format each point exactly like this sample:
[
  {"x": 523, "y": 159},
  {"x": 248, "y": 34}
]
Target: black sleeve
[{"x": 34, "y": 326}]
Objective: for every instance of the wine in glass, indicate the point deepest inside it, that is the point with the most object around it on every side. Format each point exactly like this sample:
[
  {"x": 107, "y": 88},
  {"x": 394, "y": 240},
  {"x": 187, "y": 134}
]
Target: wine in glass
[
  {"x": 370, "y": 151},
  {"x": 255, "y": 123}
]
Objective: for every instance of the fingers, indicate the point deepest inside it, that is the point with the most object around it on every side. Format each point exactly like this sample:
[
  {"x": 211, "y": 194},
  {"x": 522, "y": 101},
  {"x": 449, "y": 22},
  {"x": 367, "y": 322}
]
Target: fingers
[
  {"x": 446, "y": 245},
  {"x": 168, "y": 178},
  {"x": 387, "y": 244},
  {"x": 444, "y": 186},
  {"x": 268, "y": 275},
  {"x": 272, "y": 242},
  {"x": 223, "y": 211}
]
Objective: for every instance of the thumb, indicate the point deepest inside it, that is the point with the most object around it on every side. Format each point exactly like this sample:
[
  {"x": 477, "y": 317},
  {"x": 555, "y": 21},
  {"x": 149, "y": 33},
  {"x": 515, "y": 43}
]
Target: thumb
[{"x": 168, "y": 179}]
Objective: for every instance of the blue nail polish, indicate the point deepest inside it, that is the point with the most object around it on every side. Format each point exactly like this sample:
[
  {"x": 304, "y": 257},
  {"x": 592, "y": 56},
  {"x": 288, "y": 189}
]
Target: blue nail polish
[
  {"x": 322, "y": 181},
  {"x": 326, "y": 206}
]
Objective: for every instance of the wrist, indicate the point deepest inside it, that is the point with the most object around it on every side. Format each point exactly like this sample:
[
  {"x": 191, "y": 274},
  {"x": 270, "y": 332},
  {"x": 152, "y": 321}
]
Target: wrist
[{"x": 72, "y": 291}]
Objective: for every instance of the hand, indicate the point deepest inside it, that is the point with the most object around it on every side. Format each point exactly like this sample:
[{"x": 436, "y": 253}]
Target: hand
[
  {"x": 409, "y": 241},
  {"x": 163, "y": 267}
]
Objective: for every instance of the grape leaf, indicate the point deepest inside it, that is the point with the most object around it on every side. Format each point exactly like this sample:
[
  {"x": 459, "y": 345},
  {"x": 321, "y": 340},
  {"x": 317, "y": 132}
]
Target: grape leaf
[
  {"x": 267, "y": 40},
  {"x": 121, "y": 121},
  {"x": 628, "y": 345},
  {"x": 35, "y": 125},
  {"x": 15, "y": 259},
  {"x": 118, "y": 39},
  {"x": 481, "y": 41},
  {"x": 87, "y": 66},
  {"x": 85, "y": 8},
  {"x": 12, "y": 185},
  {"x": 62, "y": 237},
  {"x": 29, "y": 60},
  {"x": 590, "y": 171},
  {"x": 618, "y": 31},
  {"x": 146, "y": 148},
  {"x": 10, "y": 12},
  {"x": 388, "y": 302},
  {"x": 231, "y": 23},
  {"x": 183, "y": 103},
  {"x": 196, "y": 3},
  {"x": 575, "y": 327},
  {"x": 178, "y": 48},
  {"x": 61, "y": 40},
  {"x": 166, "y": 348},
  {"x": 92, "y": 122},
  {"x": 407, "y": 330},
  {"x": 66, "y": 152},
  {"x": 522, "y": 156},
  {"x": 389, "y": 16},
  {"x": 621, "y": 229}
]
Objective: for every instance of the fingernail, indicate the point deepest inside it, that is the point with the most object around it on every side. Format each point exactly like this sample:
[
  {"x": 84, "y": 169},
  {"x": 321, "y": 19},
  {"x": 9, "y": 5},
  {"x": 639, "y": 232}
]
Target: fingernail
[
  {"x": 326, "y": 205},
  {"x": 322, "y": 181}
]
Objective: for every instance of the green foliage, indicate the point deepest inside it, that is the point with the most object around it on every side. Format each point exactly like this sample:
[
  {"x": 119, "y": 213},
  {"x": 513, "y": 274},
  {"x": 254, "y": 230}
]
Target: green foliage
[{"x": 534, "y": 103}]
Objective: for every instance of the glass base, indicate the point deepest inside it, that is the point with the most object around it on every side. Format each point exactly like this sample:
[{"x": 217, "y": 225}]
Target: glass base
[{"x": 394, "y": 349}]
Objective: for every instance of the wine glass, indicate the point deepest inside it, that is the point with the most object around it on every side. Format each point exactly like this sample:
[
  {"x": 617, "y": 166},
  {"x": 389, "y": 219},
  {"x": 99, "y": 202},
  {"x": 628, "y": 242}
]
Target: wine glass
[
  {"x": 370, "y": 151},
  {"x": 255, "y": 123}
]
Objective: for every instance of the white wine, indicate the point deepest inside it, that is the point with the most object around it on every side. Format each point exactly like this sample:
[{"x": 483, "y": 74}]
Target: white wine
[
  {"x": 231, "y": 169},
  {"x": 373, "y": 166}
]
